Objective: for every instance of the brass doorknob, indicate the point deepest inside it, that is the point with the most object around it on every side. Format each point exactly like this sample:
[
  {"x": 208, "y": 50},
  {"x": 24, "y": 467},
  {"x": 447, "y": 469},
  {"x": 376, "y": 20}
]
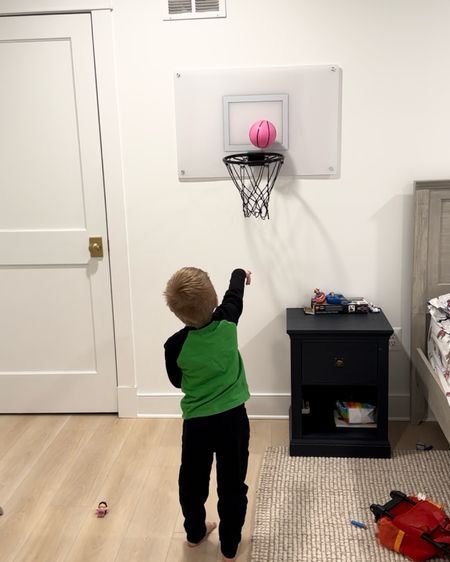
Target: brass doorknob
[
  {"x": 338, "y": 362},
  {"x": 96, "y": 246}
]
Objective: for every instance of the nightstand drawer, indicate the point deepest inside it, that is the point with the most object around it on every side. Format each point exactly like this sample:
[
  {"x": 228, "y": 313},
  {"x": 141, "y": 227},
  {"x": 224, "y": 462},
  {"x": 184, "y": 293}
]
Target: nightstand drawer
[{"x": 336, "y": 362}]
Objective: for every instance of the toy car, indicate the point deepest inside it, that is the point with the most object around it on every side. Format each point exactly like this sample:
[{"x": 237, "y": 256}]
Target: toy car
[{"x": 336, "y": 298}]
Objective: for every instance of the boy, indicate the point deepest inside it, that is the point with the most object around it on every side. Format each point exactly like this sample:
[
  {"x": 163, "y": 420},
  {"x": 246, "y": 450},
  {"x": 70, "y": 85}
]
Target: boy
[{"x": 204, "y": 361}]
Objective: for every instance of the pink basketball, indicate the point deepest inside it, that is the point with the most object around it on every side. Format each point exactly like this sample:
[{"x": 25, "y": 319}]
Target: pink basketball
[{"x": 262, "y": 133}]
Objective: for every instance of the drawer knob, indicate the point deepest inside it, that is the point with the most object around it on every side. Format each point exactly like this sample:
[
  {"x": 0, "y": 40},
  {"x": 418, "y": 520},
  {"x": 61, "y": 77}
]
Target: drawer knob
[{"x": 338, "y": 362}]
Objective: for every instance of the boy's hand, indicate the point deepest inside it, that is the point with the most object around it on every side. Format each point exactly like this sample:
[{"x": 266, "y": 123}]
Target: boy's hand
[{"x": 248, "y": 277}]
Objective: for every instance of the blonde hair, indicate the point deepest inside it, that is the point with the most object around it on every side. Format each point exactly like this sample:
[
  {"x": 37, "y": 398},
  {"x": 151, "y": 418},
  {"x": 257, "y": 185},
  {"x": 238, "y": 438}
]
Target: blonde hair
[{"x": 190, "y": 295}]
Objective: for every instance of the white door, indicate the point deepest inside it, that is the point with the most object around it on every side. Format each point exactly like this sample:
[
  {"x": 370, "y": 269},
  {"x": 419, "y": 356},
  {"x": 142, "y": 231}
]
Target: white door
[{"x": 56, "y": 325}]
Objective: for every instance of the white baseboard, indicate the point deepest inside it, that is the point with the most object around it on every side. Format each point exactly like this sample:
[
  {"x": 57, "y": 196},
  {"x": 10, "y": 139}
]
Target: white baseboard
[
  {"x": 399, "y": 407},
  {"x": 262, "y": 405},
  {"x": 167, "y": 405},
  {"x": 127, "y": 400},
  {"x": 159, "y": 405}
]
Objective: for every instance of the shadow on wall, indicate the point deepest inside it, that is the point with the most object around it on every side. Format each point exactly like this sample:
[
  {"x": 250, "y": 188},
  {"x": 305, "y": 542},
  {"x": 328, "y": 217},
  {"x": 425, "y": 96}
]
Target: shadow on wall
[
  {"x": 285, "y": 249},
  {"x": 267, "y": 358},
  {"x": 287, "y": 245},
  {"x": 395, "y": 229}
]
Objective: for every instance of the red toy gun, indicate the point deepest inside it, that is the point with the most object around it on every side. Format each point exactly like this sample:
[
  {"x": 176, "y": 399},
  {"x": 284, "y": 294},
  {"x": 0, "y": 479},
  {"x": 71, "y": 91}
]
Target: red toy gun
[{"x": 419, "y": 529}]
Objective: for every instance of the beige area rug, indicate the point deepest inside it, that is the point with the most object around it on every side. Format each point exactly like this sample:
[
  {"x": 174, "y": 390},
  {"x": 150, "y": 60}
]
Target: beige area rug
[{"x": 304, "y": 504}]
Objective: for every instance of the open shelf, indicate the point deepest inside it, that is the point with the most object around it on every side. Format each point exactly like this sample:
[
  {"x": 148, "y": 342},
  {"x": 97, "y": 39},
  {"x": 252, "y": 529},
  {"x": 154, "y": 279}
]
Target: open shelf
[{"x": 322, "y": 405}]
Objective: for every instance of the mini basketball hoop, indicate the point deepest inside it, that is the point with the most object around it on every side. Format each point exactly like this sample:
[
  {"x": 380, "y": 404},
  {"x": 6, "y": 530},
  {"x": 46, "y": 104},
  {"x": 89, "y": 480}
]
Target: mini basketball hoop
[{"x": 254, "y": 174}]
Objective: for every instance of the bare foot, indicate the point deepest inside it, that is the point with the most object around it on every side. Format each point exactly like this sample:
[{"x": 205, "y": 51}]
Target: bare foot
[{"x": 209, "y": 529}]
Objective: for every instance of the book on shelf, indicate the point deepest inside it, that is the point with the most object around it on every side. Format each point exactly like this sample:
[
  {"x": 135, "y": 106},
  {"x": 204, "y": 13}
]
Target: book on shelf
[{"x": 341, "y": 423}]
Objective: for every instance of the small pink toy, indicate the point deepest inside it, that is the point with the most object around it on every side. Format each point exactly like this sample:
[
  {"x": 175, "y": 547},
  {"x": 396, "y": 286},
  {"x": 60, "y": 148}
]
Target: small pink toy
[
  {"x": 319, "y": 297},
  {"x": 262, "y": 133},
  {"x": 102, "y": 509}
]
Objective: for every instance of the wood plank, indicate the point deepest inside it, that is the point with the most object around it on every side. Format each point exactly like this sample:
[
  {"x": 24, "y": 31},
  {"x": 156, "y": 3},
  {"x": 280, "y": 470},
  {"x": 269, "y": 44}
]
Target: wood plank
[
  {"x": 152, "y": 524},
  {"x": 75, "y": 498},
  {"x": 420, "y": 263},
  {"x": 122, "y": 489},
  {"x": 82, "y": 484},
  {"x": 144, "y": 549},
  {"x": 279, "y": 433},
  {"x": 19, "y": 460},
  {"x": 169, "y": 452},
  {"x": 431, "y": 270},
  {"x": 26, "y": 507},
  {"x": 418, "y": 405},
  {"x": 53, "y": 536},
  {"x": 13, "y": 426},
  {"x": 439, "y": 244},
  {"x": 158, "y": 507},
  {"x": 435, "y": 394}
]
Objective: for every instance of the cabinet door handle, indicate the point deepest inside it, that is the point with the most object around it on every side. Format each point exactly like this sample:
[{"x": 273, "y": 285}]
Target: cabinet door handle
[{"x": 338, "y": 362}]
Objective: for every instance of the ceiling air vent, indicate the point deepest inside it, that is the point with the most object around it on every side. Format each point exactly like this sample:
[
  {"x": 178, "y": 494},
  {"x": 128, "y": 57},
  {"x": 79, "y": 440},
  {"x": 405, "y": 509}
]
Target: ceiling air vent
[{"x": 193, "y": 9}]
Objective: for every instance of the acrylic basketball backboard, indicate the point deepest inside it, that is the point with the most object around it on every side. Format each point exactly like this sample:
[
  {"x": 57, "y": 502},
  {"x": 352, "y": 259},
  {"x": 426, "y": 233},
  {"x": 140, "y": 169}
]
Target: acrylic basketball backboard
[{"x": 215, "y": 108}]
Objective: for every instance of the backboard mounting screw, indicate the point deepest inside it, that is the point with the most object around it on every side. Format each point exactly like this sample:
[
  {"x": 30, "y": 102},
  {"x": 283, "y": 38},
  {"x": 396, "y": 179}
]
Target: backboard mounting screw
[
  {"x": 333, "y": 69},
  {"x": 178, "y": 75},
  {"x": 331, "y": 169},
  {"x": 182, "y": 172}
]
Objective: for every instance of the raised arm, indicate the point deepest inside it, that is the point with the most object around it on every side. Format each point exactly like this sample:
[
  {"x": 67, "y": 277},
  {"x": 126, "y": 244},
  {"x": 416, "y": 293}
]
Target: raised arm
[{"x": 232, "y": 303}]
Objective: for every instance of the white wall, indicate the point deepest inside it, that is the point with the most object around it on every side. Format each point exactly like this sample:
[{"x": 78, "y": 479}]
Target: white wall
[{"x": 352, "y": 235}]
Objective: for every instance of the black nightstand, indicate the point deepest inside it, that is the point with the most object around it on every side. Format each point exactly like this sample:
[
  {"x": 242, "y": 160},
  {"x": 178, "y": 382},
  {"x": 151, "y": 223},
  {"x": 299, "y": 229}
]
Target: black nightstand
[{"x": 338, "y": 357}]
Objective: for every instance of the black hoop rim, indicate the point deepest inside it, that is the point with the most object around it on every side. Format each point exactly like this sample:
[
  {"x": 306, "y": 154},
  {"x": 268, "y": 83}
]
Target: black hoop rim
[{"x": 254, "y": 158}]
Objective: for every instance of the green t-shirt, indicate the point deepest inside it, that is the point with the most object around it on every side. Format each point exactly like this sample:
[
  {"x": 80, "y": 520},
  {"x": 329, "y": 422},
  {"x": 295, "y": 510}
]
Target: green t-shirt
[{"x": 213, "y": 373}]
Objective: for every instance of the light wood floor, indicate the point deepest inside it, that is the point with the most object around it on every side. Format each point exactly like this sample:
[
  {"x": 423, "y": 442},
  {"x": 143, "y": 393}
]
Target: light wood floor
[{"x": 55, "y": 469}]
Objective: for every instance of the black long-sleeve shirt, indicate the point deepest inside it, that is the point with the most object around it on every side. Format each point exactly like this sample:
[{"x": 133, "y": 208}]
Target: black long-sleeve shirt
[{"x": 205, "y": 362}]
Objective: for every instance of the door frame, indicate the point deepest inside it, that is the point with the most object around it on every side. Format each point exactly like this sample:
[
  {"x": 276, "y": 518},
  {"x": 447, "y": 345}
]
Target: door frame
[{"x": 103, "y": 40}]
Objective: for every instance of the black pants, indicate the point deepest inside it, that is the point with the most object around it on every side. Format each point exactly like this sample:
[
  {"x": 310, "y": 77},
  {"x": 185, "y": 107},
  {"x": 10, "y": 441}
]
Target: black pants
[{"x": 227, "y": 435}]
